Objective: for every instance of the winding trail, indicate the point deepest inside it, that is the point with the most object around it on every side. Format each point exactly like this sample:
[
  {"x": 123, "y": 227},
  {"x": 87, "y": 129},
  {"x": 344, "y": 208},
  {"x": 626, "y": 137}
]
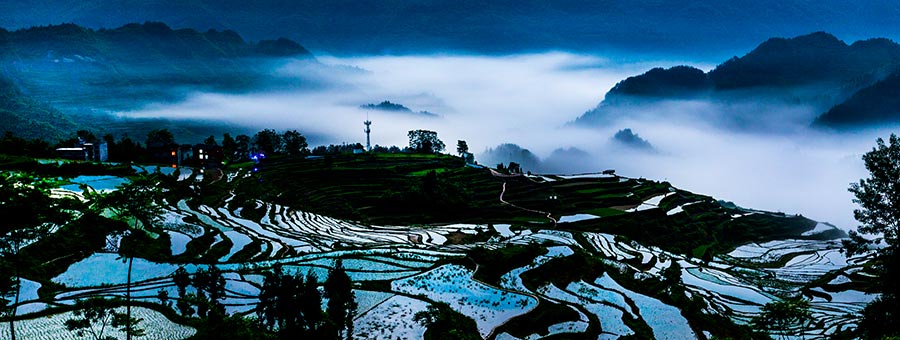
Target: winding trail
[{"x": 502, "y": 192}]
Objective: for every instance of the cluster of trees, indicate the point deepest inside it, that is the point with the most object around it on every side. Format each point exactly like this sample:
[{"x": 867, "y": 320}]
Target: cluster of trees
[
  {"x": 240, "y": 147},
  {"x": 234, "y": 148},
  {"x": 291, "y": 306},
  {"x": 28, "y": 214},
  {"x": 512, "y": 168},
  {"x": 879, "y": 215},
  {"x": 125, "y": 149}
]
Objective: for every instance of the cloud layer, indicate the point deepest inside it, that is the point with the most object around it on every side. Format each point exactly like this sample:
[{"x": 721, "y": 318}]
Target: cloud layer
[{"x": 529, "y": 99}]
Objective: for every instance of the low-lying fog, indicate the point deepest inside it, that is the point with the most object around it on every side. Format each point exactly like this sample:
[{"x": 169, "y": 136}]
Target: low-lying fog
[{"x": 528, "y": 99}]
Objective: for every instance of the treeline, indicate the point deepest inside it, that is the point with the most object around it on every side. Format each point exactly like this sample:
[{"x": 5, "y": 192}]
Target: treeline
[
  {"x": 126, "y": 149},
  {"x": 264, "y": 143}
]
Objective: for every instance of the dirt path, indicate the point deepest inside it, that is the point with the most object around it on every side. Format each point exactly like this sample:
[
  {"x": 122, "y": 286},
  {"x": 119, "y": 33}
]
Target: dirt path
[{"x": 502, "y": 192}]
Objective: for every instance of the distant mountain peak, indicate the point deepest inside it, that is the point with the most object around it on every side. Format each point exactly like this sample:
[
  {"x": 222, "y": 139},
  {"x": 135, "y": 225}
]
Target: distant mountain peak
[
  {"x": 386, "y": 106},
  {"x": 630, "y": 139},
  {"x": 137, "y": 41},
  {"x": 789, "y": 67},
  {"x": 394, "y": 107},
  {"x": 677, "y": 81}
]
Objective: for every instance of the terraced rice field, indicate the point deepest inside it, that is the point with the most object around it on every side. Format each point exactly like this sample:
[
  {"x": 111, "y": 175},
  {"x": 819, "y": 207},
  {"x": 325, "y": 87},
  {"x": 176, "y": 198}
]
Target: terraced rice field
[{"x": 417, "y": 266}]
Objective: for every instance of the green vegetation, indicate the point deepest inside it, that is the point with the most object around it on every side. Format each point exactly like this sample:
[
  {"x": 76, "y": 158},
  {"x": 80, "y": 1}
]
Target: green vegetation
[
  {"x": 391, "y": 189},
  {"x": 28, "y": 117},
  {"x": 425, "y": 141},
  {"x": 94, "y": 315},
  {"x": 28, "y": 215},
  {"x": 536, "y": 322},
  {"x": 444, "y": 323},
  {"x": 879, "y": 215},
  {"x": 704, "y": 229},
  {"x": 291, "y": 306},
  {"x": 784, "y": 317},
  {"x": 492, "y": 264},
  {"x": 562, "y": 270}
]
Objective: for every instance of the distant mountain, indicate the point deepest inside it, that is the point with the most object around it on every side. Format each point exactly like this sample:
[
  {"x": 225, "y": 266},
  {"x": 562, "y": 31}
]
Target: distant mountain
[
  {"x": 78, "y": 74},
  {"x": 508, "y": 152},
  {"x": 568, "y": 160},
  {"x": 29, "y": 119},
  {"x": 630, "y": 139},
  {"x": 387, "y": 106},
  {"x": 807, "y": 59},
  {"x": 675, "y": 82},
  {"x": 709, "y": 29},
  {"x": 879, "y": 103},
  {"x": 816, "y": 69},
  {"x": 72, "y": 67},
  {"x": 147, "y": 42}
]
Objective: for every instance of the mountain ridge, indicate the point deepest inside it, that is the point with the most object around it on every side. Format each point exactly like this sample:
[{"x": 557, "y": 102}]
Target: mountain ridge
[
  {"x": 816, "y": 68},
  {"x": 82, "y": 75}
]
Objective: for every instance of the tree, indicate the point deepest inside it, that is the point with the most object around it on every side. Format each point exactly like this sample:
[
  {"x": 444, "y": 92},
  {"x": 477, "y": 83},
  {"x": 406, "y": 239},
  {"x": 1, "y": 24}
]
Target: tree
[
  {"x": 125, "y": 150},
  {"x": 311, "y": 303},
  {"x": 29, "y": 213},
  {"x": 424, "y": 141},
  {"x": 268, "y": 142},
  {"x": 879, "y": 196},
  {"x": 229, "y": 147},
  {"x": 210, "y": 286},
  {"x": 242, "y": 147},
  {"x": 93, "y": 315},
  {"x": 135, "y": 203},
  {"x": 341, "y": 303},
  {"x": 211, "y": 140},
  {"x": 86, "y": 136},
  {"x": 294, "y": 143},
  {"x": 879, "y": 215},
  {"x": 182, "y": 279},
  {"x": 159, "y": 137},
  {"x": 291, "y": 307},
  {"x": 514, "y": 168},
  {"x": 784, "y": 317},
  {"x": 462, "y": 148}
]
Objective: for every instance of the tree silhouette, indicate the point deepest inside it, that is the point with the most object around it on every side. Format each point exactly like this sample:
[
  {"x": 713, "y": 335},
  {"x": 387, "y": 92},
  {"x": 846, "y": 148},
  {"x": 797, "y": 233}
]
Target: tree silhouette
[
  {"x": 784, "y": 317},
  {"x": 425, "y": 141},
  {"x": 268, "y": 142},
  {"x": 294, "y": 143},
  {"x": 135, "y": 203},
  {"x": 879, "y": 215},
  {"x": 341, "y": 303},
  {"x": 160, "y": 137},
  {"x": 29, "y": 213},
  {"x": 242, "y": 147},
  {"x": 94, "y": 315},
  {"x": 229, "y": 147},
  {"x": 462, "y": 148}
]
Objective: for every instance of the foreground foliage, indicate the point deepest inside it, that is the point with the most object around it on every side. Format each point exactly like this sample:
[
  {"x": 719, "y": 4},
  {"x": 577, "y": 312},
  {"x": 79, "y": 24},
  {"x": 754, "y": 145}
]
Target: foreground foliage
[{"x": 879, "y": 217}]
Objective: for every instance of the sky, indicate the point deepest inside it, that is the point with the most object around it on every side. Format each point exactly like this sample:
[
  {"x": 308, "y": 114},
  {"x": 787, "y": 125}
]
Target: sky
[{"x": 529, "y": 99}]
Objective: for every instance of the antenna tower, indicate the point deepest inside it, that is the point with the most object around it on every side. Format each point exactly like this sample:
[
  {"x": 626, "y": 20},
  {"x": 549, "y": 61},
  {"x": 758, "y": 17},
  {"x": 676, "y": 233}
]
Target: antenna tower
[{"x": 368, "y": 131}]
